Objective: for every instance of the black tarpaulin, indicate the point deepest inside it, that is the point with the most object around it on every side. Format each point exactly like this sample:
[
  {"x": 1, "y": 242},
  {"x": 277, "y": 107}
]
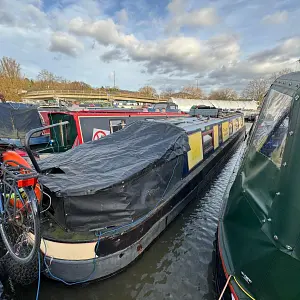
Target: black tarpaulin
[
  {"x": 118, "y": 178},
  {"x": 15, "y": 121}
]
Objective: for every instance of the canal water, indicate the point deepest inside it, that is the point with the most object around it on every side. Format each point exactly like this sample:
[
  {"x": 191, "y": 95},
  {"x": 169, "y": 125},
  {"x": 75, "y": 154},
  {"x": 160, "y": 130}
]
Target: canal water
[{"x": 178, "y": 265}]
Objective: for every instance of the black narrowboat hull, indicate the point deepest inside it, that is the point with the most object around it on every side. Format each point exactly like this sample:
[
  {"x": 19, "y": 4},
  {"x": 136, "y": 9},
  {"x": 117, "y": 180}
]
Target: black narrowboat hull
[{"x": 116, "y": 251}]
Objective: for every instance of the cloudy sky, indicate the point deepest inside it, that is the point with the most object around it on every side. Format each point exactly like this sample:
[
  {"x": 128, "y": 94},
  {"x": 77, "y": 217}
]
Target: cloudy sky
[{"x": 164, "y": 43}]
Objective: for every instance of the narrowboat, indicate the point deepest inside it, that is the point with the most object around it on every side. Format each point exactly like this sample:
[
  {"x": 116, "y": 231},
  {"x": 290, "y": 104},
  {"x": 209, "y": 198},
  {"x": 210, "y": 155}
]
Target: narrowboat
[
  {"x": 112, "y": 197},
  {"x": 86, "y": 126},
  {"x": 164, "y": 107},
  {"x": 16, "y": 119},
  {"x": 258, "y": 241}
]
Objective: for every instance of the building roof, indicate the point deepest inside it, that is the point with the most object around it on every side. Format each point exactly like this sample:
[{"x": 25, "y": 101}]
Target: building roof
[{"x": 186, "y": 104}]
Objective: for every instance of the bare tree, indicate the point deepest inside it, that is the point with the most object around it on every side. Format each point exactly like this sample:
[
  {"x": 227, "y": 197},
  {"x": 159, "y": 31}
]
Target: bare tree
[
  {"x": 257, "y": 88},
  {"x": 148, "y": 91},
  {"x": 10, "y": 68},
  {"x": 223, "y": 94},
  {"x": 194, "y": 92},
  {"x": 46, "y": 76},
  {"x": 275, "y": 75},
  {"x": 167, "y": 93}
]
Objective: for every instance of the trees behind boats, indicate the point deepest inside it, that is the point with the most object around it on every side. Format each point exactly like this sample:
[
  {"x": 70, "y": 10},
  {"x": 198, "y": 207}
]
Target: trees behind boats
[
  {"x": 148, "y": 91},
  {"x": 223, "y": 94},
  {"x": 257, "y": 88},
  {"x": 10, "y": 79}
]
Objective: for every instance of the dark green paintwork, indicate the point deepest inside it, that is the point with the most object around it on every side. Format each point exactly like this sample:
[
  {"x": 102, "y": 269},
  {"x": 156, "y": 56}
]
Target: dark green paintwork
[
  {"x": 259, "y": 232},
  {"x": 69, "y": 132}
]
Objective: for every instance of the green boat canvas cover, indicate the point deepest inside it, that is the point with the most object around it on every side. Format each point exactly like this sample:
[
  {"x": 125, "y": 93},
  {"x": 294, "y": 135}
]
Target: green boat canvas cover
[{"x": 259, "y": 231}]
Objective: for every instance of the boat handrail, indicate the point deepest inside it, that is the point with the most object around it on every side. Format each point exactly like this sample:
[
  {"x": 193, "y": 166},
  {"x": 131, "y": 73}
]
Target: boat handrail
[{"x": 27, "y": 144}]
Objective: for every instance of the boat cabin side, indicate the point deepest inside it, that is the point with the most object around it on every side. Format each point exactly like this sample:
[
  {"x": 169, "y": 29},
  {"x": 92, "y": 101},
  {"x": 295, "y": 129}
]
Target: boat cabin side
[
  {"x": 208, "y": 135},
  {"x": 87, "y": 126}
]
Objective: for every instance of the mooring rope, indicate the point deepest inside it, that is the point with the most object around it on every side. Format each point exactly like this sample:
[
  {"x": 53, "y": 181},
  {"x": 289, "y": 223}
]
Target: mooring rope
[{"x": 224, "y": 289}]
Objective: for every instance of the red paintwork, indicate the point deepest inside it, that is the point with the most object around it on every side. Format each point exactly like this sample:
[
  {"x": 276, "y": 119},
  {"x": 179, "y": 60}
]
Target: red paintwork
[
  {"x": 113, "y": 113},
  {"x": 224, "y": 269},
  {"x": 45, "y": 120},
  {"x": 110, "y": 113}
]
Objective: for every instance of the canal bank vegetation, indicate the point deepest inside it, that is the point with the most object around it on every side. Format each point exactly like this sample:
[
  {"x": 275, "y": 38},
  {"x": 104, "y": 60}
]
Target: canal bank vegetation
[{"x": 14, "y": 84}]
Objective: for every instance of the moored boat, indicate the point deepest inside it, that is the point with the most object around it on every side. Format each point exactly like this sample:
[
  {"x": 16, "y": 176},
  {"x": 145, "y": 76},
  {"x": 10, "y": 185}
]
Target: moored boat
[
  {"x": 16, "y": 119},
  {"x": 258, "y": 233},
  {"x": 86, "y": 126},
  {"x": 112, "y": 197}
]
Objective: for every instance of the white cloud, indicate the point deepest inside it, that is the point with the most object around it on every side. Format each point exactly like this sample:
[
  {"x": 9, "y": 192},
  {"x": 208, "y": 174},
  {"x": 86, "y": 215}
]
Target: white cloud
[
  {"x": 180, "y": 17},
  {"x": 202, "y": 17},
  {"x": 74, "y": 27},
  {"x": 106, "y": 32},
  {"x": 163, "y": 56},
  {"x": 287, "y": 50},
  {"x": 66, "y": 44},
  {"x": 262, "y": 63},
  {"x": 176, "y": 6},
  {"x": 197, "y": 18},
  {"x": 122, "y": 16},
  {"x": 25, "y": 14},
  {"x": 278, "y": 17}
]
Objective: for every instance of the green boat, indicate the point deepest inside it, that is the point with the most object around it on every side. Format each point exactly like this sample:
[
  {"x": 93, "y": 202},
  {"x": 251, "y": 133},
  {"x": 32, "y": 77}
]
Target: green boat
[{"x": 258, "y": 244}]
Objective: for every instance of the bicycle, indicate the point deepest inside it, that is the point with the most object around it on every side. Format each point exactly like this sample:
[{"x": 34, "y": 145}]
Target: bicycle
[
  {"x": 20, "y": 200},
  {"x": 20, "y": 195}
]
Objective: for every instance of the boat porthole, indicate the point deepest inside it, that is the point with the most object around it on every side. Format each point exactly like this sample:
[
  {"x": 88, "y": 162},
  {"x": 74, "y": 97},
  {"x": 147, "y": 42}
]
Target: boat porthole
[{"x": 121, "y": 255}]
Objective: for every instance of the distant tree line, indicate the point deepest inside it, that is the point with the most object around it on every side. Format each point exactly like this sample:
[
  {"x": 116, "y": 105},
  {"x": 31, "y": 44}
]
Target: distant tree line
[
  {"x": 191, "y": 92},
  {"x": 13, "y": 82},
  {"x": 257, "y": 88}
]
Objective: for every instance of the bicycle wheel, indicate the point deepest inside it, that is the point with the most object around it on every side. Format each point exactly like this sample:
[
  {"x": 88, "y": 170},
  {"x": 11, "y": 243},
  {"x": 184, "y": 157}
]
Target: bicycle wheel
[{"x": 20, "y": 227}]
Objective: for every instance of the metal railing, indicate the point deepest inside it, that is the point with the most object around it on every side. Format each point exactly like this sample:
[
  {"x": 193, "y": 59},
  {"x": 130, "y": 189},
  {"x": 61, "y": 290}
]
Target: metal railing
[{"x": 99, "y": 93}]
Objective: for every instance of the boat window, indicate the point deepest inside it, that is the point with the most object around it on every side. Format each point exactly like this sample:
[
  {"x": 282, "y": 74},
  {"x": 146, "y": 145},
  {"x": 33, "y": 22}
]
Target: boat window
[
  {"x": 116, "y": 125},
  {"x": 173, "y": 107},
  {"x": 275, "y": 109},
  {"x": 160, "y": 106},
  {"x": 207, "y": 142},
  {"x": 230, "y": 128},
  {"x": 274, "y": 145}
]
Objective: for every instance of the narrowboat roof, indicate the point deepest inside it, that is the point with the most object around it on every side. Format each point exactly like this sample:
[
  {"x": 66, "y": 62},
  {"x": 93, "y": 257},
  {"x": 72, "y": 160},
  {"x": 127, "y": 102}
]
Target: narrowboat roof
[
  {"x": 191, "y": 124},
  {"x": 117, "y": 111}
]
